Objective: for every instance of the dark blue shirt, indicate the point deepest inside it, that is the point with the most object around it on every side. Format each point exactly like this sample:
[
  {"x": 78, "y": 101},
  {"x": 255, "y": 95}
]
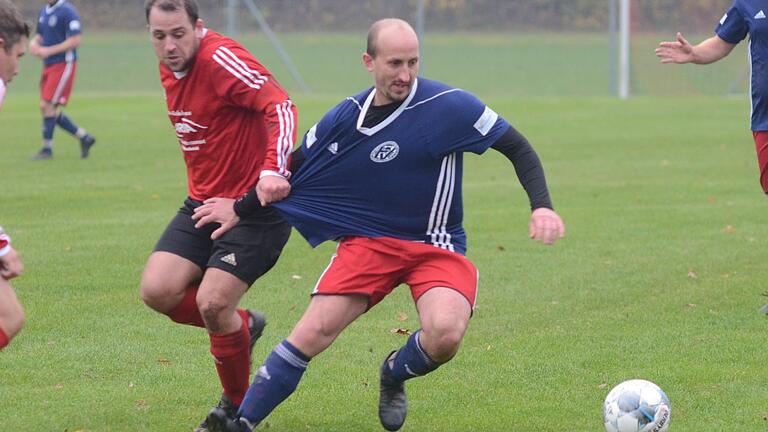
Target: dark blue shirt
[
  {"x": 56, "y": 24},
  {"x": 400, "y": 178},
  {"x": 750, "y": 17}
]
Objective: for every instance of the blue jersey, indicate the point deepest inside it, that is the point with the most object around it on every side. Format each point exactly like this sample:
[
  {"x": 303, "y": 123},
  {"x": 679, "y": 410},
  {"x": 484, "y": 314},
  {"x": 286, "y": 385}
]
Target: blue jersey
[
  {"x": 749, "y": 17},
  {"x": 56, "y": 24},
  {"x": 400, "y": 178}
]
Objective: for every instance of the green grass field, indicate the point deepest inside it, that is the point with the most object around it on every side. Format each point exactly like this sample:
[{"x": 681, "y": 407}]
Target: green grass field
[{"x": 659, "y": 277}]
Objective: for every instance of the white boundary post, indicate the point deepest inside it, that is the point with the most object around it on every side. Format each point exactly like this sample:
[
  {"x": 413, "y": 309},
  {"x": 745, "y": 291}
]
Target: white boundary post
[{"x": 624, "y": 13}]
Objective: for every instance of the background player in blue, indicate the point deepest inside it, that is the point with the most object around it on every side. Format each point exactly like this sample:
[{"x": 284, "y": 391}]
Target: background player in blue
[
  {"x": 56, "y": 42},
  {"x": 382, "y": 172},
  {"x": 745, "y": 17}
]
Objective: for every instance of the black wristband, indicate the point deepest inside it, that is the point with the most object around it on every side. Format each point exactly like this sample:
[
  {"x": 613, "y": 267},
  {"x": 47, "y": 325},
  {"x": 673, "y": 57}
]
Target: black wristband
[{"x": 248, "y": 204}]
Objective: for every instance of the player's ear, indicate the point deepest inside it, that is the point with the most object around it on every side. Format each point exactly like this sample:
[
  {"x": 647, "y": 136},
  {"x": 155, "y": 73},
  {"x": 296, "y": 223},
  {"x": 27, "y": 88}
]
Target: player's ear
[
  {"x": 199, "y": 26},
  {"x": 2, "y": 44},
  {"x": 368, "y": 62}
]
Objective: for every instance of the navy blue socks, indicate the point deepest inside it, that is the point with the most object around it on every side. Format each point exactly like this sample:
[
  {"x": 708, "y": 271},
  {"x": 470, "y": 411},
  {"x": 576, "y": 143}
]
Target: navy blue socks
[
  {"x": 411, "y": 360},
  {"x": 275, "y": 380}
]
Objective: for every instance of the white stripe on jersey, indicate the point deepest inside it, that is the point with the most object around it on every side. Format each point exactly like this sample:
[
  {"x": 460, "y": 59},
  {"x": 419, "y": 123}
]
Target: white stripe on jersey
[
  {"x": 285, "y": 140},
  {"x": 62, "y": 83},
  {"x": 356, "y": 103},
  {"x": 238, "y": 68},
  {"x": 186, "y": 120},
  {"x": 438, "y": 217},
  {"x": 433, "y": 97}
]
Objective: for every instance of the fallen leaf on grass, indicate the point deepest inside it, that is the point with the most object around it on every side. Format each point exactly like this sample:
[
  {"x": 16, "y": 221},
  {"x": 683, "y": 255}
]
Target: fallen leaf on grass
[
  {"x": 402, "y": 316},
  {"x": 142, "y": 405},
  {"x": 58, "y": 386},
  {"x": 401, "y": 331},
  {"x": 602, "y": 386},
  {"x": 164, "y": 361},
  {"x": 692, "y": 274}
]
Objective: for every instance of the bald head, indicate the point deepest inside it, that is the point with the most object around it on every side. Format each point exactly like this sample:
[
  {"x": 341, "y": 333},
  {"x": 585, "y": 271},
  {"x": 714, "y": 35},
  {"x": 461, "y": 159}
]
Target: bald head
[{"x": 387, "y": 28}]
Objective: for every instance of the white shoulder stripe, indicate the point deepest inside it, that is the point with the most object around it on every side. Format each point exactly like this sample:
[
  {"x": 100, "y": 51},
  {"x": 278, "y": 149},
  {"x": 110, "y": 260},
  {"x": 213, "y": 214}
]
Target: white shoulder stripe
[
  {"x": 226, "y": 66},
  {"x": 238, "y": 68},
  {"x": 434, "y": 97},
  {"x": 257, "y": 76},
  {"x": 356, "y": 103}
]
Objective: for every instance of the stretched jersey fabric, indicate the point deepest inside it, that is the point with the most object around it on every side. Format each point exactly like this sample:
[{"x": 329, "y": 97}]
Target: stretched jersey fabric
[
  {"x": 56, "y": 24},
  {"x": 750, "y": 17},
  {"x": 400, "y": 178},
  {"x": 233, "y": 120}
]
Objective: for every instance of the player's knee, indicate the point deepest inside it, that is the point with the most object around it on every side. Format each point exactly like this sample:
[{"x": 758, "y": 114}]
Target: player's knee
[
  {"x": 47, "y": 108},
  {"x": 211, "y": 307},
  {"x": 445, "y": 344},
  {"x": 154, "y": 294},
  {"x": 15, "y": 322}
]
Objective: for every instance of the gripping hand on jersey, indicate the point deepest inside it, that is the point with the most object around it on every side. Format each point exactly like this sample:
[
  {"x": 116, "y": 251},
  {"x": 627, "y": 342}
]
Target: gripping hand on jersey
[
  {"x": 216, "y": 210},
  {"x": 271, "y": 188},
  {"x": 546, "y": 226}
]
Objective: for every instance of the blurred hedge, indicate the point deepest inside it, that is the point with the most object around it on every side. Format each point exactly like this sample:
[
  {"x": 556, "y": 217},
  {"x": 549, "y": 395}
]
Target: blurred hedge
[{"x": 446, "y": 15}]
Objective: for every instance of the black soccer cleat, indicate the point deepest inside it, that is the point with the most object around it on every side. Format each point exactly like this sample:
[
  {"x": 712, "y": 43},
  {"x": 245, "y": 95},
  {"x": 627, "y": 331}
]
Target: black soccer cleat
[
  {"x": 43, "y": 154},
  {"x": 86, "y": 143},
  {"x": 219, "y": 421},
  {"x": 256, "y": 324},
  {"x": 393, "y": 405},
  {"x": 225, "y": 408}
]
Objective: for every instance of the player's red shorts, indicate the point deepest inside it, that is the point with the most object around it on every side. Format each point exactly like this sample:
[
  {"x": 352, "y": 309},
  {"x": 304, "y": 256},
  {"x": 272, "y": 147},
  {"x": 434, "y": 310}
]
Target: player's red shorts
[
  {"x": 375, "y": 266},
  {"x": 56, "y": 82},
  {"x": 761, "y": 146}
]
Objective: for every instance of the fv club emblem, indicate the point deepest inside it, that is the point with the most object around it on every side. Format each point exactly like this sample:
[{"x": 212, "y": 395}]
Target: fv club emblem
[{"x": 385, "y": 152}]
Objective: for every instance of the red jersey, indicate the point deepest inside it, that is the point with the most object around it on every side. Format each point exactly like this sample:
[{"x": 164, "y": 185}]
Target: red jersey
[
  {"x": 5, "y": 242},
  {"x": 234, "y": 122}
]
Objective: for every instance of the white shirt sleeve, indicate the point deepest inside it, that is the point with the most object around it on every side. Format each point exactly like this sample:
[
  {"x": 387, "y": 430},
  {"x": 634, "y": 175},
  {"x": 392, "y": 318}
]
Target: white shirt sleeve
[{"x": 2, "y": 92}]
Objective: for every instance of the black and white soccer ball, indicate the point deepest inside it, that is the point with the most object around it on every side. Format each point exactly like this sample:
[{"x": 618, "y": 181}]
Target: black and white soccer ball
[{"x": 637, "y": 406}]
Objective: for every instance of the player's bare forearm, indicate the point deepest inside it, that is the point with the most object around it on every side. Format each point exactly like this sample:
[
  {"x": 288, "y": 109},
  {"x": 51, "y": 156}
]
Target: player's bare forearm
[
  {"x": 68, "y": 45},
  {"x": 681, "y": 51}
]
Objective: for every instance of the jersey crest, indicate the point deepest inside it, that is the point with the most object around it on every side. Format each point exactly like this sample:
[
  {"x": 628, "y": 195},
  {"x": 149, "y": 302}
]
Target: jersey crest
[{"x": 385, "y": 152}]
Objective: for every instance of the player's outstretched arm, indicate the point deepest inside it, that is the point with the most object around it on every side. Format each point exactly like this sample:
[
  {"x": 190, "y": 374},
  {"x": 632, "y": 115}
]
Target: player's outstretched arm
[
  {"x": 546, "y": 226},
  {"x": 681, "y": 51}
]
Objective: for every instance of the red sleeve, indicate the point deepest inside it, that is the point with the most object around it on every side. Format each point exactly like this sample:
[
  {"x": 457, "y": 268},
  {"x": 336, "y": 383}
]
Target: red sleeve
[
  {"x": 241, "y": 80},
  {"x": 5, "y": 242}
]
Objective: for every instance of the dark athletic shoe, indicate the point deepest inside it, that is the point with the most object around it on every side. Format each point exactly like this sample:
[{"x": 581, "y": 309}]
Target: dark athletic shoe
[
  {"x": 219, "y": 421},
  {"x": 225, "y": 408},
  {"x": 43, "y": 154},
  {"x": 256, "y": 324},
  {"x": 86, "y": 143},
  {"x": 393, "y": 405}
]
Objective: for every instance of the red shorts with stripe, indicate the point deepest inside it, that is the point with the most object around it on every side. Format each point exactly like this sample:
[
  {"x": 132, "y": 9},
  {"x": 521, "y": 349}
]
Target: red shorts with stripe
[
  {"x": 374, "y": 267},
  {"x": 56, "y": 82},
  {"x": 761, "y": 146}
]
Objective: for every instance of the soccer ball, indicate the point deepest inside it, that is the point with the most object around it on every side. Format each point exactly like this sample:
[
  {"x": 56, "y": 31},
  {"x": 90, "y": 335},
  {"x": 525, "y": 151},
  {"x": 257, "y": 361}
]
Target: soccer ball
[{"x": 637, "y": 406}]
